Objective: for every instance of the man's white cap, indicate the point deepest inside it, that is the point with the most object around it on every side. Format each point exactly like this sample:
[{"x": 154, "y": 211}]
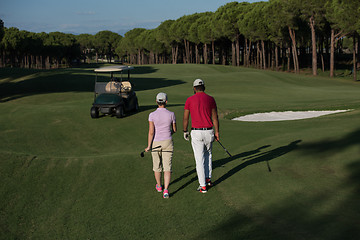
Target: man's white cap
[
  {"x": 198, "y": 82},
  {"x": 161, "y": 97}
]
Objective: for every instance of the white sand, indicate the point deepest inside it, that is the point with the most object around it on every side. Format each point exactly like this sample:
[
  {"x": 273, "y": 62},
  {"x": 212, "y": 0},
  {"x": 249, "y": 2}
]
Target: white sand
[{"x": 283, "y": 116}]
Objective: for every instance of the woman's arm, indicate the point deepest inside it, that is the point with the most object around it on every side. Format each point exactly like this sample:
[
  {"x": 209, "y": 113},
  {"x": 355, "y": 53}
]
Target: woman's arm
[
  {"x": 173, "y": 130},
  {"x": 150, "y": 135}
]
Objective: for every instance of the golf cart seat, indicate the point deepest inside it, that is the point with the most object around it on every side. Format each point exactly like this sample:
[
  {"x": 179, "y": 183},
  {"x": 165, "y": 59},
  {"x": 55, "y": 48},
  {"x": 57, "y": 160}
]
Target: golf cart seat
[
  {"x": 125, "y": 87},
  {"x": 112, "y": 87}
]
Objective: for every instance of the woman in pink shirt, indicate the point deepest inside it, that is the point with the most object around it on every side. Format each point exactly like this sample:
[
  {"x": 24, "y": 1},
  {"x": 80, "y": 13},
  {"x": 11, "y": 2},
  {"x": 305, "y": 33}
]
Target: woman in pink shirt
[{"x": 162, "y": 124}]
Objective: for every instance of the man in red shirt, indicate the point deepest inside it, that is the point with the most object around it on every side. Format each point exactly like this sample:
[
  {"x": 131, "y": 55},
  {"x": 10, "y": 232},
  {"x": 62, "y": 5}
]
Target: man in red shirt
[{"x": 204, "y": 130}]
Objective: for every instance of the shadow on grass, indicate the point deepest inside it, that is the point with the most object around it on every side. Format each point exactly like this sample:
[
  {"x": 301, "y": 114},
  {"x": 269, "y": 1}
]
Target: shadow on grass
[
  {"x": 19, "y": 83},
  {"x": 295, "y": 217},
  {"x": 301, "y": 216},
  {"x": 250, "y": 158},
  {"x": 330, "y": 146}
]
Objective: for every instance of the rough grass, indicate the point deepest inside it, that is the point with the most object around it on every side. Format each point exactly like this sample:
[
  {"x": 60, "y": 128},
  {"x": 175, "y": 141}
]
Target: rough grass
[{"x": 67, "y": 176}]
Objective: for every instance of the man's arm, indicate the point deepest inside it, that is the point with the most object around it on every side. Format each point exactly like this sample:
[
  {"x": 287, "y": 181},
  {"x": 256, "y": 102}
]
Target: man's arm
[
  {"x": 186, "y": 120},
  {"x": 185, "y": 124},
  {"x": 215, "y": 120}
]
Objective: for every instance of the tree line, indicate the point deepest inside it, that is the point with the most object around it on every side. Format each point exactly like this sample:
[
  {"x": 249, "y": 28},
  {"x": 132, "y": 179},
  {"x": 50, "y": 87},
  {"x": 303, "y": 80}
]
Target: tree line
[{"x": 277, "y": 34}]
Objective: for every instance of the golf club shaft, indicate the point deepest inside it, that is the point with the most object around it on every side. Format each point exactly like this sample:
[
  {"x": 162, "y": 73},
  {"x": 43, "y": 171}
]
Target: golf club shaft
[
  {"x": 161, "y": 151},
  {"x": 150, "y": 150},
  {"x": 224, "y": 148}
]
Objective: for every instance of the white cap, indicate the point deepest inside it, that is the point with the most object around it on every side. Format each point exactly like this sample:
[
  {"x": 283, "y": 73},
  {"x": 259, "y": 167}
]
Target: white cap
[
  {"x": 198, "y": 82},
  {"x": 161, "y": 97}
]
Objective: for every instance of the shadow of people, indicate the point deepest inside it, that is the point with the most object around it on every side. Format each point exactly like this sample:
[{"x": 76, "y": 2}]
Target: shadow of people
[
  {"x": 251, "y": 157},
  {"x": 261, "y": 157},
  {"x": 223, "y": 161},
  {"x": 335, "y": 145}
]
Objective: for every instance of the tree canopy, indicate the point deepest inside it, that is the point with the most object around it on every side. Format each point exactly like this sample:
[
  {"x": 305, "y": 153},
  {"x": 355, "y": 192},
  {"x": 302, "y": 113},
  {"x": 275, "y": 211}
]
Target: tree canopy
[{"x": 287, "y": 34}]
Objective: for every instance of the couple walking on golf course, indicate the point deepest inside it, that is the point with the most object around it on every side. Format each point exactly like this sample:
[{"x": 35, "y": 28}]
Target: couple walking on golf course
[{"x": 202, "y": 110}]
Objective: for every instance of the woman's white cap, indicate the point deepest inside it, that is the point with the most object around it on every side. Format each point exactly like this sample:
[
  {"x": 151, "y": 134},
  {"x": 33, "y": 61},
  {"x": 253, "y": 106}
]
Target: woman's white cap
[{"x": 161, "y": 97}]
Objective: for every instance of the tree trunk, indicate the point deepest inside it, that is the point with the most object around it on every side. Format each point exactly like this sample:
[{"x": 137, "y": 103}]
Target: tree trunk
[
  {"x": 139, "y": 57},
  {"x": 205, "y": 53},
  {"x": 294, "y": 50},
  {"x": 258, "y": 56},
  {"x": 289, "y": 59},
  {"x": 197, "y": 59},
  {"x": 334, "y": 38},
  {"x": 332, "y": 53},
  {"x": 187, "y": 51},
  {"x": 237, "y": 51},
  {"x": 354, "y": 58},
  {"x": 175, "y": 52},
  {"x": 246, "y": 59},
  {"x": 263, "y": 53},
  {"x": 47, "y": 62},
  {"x": 322, "y": 62},
  {"x": 313, "y": 41},
  {"x": 233, "y": 54},
  {"x": 213, "y": 52},
  {"x": 271, "y": 58},
  {"x": 248, "y": 54},
  {"x": 276, "y": 57},
  {"x": 223, "y": 55},
  {"x": 191, "y": 59},
  {"x": 151, "y": 57}
]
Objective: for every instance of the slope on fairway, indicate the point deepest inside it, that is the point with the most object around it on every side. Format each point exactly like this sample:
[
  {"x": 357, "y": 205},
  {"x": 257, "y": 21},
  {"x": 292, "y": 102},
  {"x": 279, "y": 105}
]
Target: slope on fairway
[{"x": 67, "y": 176}]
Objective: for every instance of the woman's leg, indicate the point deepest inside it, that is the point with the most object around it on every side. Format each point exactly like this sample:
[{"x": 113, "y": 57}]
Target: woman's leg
[
  {"x": 158, "y": 178},
  {"x": 167, "y": 177}
]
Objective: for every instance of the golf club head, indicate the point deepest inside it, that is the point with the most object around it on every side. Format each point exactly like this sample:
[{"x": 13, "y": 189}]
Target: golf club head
[{"x": 142, "y": 154}]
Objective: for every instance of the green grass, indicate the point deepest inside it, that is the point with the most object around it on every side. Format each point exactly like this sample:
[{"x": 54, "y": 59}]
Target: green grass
[{"x": 67, "y": 176}]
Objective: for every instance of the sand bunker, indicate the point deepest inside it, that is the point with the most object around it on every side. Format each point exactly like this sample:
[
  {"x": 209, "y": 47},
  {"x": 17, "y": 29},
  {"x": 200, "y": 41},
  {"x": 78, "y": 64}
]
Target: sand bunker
[{"x": 284, "y": 116}]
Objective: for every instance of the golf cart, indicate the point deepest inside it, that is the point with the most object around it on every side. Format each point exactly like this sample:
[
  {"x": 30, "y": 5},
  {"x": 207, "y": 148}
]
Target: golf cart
[{"x": 114, "y": 95}]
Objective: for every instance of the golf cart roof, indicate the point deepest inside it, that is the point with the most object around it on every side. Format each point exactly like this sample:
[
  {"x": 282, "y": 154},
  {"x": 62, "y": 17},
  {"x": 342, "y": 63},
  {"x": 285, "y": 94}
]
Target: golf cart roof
[{"x": 116, "y": 68}]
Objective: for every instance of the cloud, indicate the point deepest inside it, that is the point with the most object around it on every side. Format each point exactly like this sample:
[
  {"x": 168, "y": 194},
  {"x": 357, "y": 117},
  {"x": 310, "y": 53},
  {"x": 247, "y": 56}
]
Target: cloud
[
  {"x": 86, "y": 13},
  {"x": 71, "y": 27}
]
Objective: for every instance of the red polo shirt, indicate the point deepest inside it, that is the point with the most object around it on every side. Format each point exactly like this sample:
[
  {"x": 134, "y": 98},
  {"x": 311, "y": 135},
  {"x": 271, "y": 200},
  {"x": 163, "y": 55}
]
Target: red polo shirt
[{"x": 200, "y": 106}]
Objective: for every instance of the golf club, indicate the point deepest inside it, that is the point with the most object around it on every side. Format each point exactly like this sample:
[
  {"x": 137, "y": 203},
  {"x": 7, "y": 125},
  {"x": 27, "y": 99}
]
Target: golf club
[
  {"x": 224, "y": 148},
  {"x": 142, "y": 153}
]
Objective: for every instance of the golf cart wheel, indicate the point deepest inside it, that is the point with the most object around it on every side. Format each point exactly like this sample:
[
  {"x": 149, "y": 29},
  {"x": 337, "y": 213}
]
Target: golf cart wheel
[
  {"x": 94, "y": 112},
  {"x": 119, "y": 112}
]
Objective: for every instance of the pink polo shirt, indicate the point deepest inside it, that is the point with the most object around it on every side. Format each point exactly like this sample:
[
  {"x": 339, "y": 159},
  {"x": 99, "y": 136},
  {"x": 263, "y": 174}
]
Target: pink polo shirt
[
  {"x": 163, "y": 120},
  {"x": 200, "y": 106}
]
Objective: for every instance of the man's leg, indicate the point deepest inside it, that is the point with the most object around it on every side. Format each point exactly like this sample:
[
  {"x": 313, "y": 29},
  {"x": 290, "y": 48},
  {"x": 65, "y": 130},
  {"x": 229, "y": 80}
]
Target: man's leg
[
  {"x": 208, "y": 140},
  {"x": 198, "y": 148}
]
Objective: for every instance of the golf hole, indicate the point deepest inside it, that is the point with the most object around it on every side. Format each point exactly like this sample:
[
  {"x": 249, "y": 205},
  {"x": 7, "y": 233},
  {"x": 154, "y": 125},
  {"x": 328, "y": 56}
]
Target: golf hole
[{"x": 285, "y": 116}]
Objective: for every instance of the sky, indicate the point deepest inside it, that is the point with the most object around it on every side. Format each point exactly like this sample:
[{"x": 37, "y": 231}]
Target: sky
[{"x": 92, "y": 16}]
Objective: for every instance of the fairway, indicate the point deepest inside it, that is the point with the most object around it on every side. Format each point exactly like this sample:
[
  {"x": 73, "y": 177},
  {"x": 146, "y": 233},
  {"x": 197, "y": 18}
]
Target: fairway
[{"x": 65, "y": 175}]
